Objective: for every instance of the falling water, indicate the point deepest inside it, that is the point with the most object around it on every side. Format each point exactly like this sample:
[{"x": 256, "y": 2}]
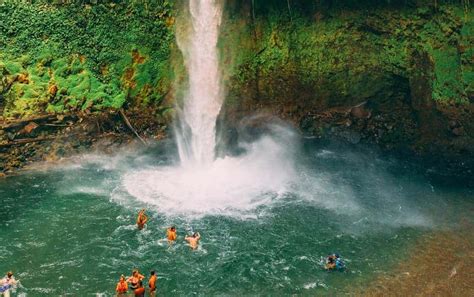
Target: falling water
[{"x": 196, "y": 133}]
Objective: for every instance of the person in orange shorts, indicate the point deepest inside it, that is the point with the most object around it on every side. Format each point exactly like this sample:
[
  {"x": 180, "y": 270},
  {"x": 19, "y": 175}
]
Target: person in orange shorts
[
  {"x": 152, "y": 283},
  {"x": 171, "y": 234},
  {"x": 122, "y": 287},
  {"x": 141, "y": 219},
  {"x": 140, "y": 291}
]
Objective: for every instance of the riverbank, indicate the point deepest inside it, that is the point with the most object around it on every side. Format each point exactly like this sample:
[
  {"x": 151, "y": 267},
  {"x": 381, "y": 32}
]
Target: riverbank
[
  {"x": 441, "y": 264},
  {"x": 50, "y": 137}
]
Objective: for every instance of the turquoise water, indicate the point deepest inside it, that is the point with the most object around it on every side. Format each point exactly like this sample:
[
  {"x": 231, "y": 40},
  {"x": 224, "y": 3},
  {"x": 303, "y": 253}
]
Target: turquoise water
[{"x": 70, "y": 230}]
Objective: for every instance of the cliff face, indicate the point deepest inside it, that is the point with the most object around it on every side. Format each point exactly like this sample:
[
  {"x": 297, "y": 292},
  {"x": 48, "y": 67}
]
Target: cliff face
[
  {"x": 401, "y": 77},
  {"x": 59, "y": 58},
  {"x": 396, "y": 73}
]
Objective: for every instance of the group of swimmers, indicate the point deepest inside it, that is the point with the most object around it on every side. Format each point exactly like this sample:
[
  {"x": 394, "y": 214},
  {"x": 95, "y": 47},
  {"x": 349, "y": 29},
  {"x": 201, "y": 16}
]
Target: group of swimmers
[
  {"x": 334, "y": 262},
  {"x": 171, "y": 234},
  {"x": 135, "y": 284}
]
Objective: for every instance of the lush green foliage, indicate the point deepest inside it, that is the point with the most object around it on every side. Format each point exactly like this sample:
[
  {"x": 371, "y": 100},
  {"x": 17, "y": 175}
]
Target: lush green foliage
[
  {"x": 96, "y": 56},
  {"x": 345, "y": 56}
]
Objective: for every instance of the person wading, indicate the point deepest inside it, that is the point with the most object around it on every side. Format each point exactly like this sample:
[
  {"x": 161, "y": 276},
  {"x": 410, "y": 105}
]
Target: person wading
[
  {"x": 135, "y": 279},
  {"x": 171, "y": 234},
  {"x": 193, "y": 240},
  {"x": 140, "y": 291},
  {"x": 121, "y": 287},
  {"x": 152, "y": 284},
  {"x": 141, "y": 219}
]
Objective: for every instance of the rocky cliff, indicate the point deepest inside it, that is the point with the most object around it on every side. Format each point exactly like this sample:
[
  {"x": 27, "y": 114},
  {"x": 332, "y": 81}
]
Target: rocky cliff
[{"x": 395, "y": 73}]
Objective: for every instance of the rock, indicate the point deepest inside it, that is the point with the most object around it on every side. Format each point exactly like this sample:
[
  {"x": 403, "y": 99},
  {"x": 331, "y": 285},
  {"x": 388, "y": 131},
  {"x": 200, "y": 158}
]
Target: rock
[
  {"x": 53, "y": 90},
  {"x": 351, "y": 136},
  {"x": 459, "y": 131},
  {"x": 360, "y": 112},
  {"x": 453, "y": 124},
  {"x": 22, "y": 79},
  {"x": 11, "y": 136},
  {"x": 29, "y": 128}
]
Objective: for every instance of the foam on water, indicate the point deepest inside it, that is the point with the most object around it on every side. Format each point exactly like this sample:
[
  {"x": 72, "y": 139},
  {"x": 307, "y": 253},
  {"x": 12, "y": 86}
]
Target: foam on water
[{"x": 228, "y": 186}]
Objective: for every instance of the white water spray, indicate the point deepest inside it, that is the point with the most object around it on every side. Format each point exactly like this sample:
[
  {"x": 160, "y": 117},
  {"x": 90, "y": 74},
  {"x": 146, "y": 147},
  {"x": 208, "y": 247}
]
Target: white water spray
[{"x": 196, "y": 133}]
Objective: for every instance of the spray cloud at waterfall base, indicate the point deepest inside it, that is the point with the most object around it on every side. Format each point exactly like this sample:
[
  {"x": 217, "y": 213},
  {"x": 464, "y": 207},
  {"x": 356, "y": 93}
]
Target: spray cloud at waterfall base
[
  {"x": 265, "y": 173},
  {"x": 240, "y": 186}
]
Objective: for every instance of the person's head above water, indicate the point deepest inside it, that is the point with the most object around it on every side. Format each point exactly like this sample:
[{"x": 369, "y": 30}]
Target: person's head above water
[
  {"x": 195, "y": 234},
  {"x": 122, "y": 278},
  {"x": 152, "y": 272},
  {"x": 9, "y": 274},
  {"x": 173, "y": 228}
]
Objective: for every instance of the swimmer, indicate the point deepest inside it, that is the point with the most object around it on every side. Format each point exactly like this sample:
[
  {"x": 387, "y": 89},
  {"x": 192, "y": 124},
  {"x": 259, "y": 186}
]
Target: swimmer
[
  {"x": 135, "y": 279},
  {"x": 122, "y": 287},
  {"x": 152, "y": 284},
  {"x": 193, "y": 240},
  {"x": 140, "y": 291},
  {"x": 171, "y": 234},
  {"x": 330, "y": 262},
  {"x": 141, "y": 219},
  {"x": 6, "y": 283}
]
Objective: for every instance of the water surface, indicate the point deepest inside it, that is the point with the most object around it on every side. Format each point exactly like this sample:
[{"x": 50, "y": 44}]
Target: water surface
[{"x": 70, "y": 230}]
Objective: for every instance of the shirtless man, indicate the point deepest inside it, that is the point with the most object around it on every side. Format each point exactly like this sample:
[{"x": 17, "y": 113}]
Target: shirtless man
[
  {"x": 171, "y": 234},
  {"x": 152, "y": 284},
  {"x": 193, "y": 240},
  {"x": 141, "y": 219}
]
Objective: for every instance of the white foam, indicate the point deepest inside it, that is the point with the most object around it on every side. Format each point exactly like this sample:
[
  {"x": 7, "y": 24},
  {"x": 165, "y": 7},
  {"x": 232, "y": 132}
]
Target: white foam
[{"x": 227, "y": 186}]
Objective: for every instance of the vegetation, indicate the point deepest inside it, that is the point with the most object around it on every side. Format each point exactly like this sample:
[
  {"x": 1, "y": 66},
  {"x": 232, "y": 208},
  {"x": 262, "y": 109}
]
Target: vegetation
[
  {"x": 59, "y": 57},
  {"x": 90, "y": 55},
  {"x": 347, "y": 55}
]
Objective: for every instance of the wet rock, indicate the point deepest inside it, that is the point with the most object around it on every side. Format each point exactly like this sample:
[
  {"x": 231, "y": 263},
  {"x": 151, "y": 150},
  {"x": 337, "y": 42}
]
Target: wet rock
[
  {"x": 458, "y": 131},
  {"x": 353, "y": 137},
  {"x": 360, "y": 112},
  {"x": 29, "y": 128},
  {"x": 11, "y": 136},
  {"x": 453, "y": 124}
]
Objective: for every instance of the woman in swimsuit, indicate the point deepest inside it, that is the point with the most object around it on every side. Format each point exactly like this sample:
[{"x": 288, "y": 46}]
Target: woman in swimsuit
[{"x": 135, "y": 279}]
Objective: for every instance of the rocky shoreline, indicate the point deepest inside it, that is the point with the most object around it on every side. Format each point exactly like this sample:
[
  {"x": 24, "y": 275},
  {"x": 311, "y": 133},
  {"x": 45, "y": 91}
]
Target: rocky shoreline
[{"x": 49, "y": 137}]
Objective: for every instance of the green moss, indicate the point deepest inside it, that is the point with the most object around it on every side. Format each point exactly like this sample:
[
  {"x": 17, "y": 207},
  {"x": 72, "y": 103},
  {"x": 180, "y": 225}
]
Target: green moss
[{"x": 83, "y": 50}]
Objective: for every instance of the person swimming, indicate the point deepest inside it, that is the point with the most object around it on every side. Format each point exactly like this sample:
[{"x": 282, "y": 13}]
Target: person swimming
[
  {"x": 334, "y": 262},
  {"x": 193, "y": 240},
  {"x": 7, "y": 283},
  {"x": 135, "y": 279},
  {"x": 140, "y": 290},
  {"x": 141, "y": 219},
  {"x": 171, "y": 234},
  {"x": 121, "y": 287}
]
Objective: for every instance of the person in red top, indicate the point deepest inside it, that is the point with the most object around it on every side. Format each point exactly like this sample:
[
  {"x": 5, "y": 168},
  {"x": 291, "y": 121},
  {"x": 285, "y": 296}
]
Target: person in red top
[
  {"x": 152, "y": 284},
  {"x": 140, "y": 291},
  {"x": 122, "y": 287}
]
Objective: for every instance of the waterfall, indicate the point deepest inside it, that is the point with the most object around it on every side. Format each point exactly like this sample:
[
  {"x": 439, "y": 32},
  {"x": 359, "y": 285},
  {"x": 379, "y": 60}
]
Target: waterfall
[{"x": 196, "y": 128}]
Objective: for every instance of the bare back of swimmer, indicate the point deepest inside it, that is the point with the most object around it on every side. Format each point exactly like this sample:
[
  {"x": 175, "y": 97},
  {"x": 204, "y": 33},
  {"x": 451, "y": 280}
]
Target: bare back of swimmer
[{"x": 193, "y": 240}]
